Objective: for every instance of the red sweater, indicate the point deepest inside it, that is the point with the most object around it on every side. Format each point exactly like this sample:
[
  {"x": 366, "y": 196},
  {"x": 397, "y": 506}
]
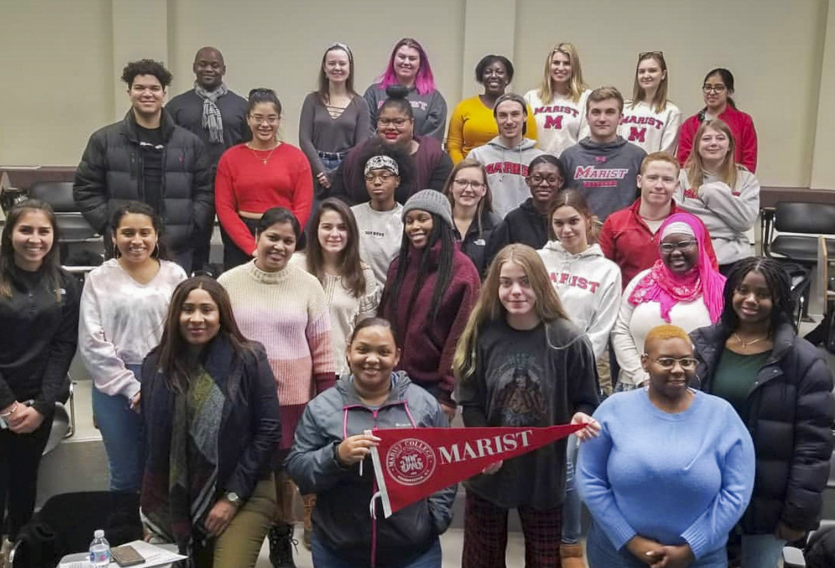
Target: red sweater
[
  {"x": 627, "y": 241},
  {"x": 245, "y": 183},
  {"x": 427, "y": 349},
  {"x": 742, "y": 128}
]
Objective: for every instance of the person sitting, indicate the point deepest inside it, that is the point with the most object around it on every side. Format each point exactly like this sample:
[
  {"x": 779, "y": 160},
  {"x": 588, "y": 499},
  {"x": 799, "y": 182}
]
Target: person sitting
[
  {"x": 211, "y": 428},
  {"x": 331, "y": 447},
  {"x": 682, "y": 288},
  {"x": 672, "y": 469}
]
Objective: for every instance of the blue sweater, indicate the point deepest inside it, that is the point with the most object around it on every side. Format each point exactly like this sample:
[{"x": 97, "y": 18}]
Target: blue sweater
[{"x": 673, "y": 478}]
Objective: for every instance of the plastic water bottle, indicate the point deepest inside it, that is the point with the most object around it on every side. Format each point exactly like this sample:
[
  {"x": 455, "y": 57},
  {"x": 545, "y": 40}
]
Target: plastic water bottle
[{"x": 99, "y": 550}]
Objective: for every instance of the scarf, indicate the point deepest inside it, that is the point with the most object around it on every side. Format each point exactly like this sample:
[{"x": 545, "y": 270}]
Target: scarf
[
  {"x": 664, "y": 286},
  {"x": 212, "y": 120},
  {"x": 177, "y": 501}
]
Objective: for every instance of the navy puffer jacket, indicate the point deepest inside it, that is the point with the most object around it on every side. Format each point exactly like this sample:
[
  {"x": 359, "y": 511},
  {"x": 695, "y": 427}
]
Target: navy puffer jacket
[{"x": 789, "y": 413}]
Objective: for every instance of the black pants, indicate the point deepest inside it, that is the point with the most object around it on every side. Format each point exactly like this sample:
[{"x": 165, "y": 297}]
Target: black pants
[{"x": 20, "y": 456}]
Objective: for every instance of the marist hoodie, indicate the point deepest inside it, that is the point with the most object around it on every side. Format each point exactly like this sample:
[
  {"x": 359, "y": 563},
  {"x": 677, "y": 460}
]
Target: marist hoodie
[
  {"x": 606, "y": 174},
  {"x": 589, "y": 288},
  {"x": 506, "y": 171}
]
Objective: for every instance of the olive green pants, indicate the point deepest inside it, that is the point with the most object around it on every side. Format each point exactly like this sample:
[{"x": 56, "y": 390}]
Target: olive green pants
[{"x": 240, "y": 543}]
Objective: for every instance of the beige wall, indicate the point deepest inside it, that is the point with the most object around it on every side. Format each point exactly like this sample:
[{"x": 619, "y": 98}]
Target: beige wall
[{"x": 66, "y": 57}]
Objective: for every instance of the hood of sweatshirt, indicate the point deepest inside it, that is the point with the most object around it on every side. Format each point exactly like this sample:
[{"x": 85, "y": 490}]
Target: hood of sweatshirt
[
  {"x": 556, "y": 246},
  {"x": 602, "y": 147}
]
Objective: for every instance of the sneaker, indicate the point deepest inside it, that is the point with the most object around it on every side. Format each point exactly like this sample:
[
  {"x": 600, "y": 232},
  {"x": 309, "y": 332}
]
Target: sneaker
[
  {"x": 5, "y": 551},
  {"x": 282, "y": 544}
]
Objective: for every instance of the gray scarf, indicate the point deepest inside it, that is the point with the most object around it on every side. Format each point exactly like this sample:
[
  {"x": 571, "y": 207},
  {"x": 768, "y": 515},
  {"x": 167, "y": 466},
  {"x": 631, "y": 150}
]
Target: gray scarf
[{"x": 212, "y": 120}]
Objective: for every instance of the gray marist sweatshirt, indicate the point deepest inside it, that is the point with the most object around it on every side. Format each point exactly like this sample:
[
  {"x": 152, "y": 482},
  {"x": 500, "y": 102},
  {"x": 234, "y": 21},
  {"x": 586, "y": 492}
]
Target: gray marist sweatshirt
[
  {"x": 606, "y": 174},
  {"x": 506, "y": 171}
]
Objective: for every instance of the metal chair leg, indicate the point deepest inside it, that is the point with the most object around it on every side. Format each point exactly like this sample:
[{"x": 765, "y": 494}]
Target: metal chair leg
[{"x": 71, "y": 400}]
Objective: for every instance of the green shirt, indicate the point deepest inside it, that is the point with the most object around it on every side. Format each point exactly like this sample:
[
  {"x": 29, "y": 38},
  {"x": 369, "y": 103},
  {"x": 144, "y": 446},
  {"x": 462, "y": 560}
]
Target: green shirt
[{"x": 735, "y": 376}]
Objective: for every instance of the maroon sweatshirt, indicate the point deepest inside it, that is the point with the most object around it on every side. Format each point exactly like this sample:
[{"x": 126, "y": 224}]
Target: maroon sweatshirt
[{"x": 427, "y": 349}]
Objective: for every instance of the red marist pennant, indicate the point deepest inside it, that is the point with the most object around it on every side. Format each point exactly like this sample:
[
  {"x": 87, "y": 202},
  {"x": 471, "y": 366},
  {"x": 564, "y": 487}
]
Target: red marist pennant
[{"x": 413, "y": 463}]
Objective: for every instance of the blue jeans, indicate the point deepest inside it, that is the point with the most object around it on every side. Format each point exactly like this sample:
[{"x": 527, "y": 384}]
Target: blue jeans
[
  {"x": 571, "y": 515},
  {"x": 323, "y": 557},
  {"x": 761, "y": 550},
  {"x": 121, "y": 430}
]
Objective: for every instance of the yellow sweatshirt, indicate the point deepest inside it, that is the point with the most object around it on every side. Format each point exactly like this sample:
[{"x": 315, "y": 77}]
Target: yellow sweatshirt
[{"x": 472, "y": 125}]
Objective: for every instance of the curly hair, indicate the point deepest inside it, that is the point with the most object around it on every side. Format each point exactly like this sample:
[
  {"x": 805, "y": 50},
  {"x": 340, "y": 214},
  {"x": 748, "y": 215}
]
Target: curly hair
[{"x": 146, "y": 67}]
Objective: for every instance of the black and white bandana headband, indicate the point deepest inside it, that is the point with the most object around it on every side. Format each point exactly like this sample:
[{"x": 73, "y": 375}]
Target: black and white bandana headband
[{"x": 382, "y": 163}]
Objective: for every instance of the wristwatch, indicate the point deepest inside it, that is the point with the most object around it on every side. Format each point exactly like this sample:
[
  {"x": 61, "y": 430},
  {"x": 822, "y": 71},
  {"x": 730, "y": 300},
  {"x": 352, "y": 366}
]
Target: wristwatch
[{"x": 233, "y": 498}]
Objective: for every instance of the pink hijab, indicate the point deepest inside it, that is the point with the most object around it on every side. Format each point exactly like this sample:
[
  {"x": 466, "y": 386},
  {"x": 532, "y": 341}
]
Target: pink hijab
[{"x": 664, "y": 286}]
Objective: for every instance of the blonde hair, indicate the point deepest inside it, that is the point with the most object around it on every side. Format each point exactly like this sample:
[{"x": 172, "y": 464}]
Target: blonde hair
[
  {"x": 659, "y": 101},
  {"x": 695, "y": 166},
  {"x": 489, "y": 308},
  {"x": 659, "y": 157},
  {"x": 576, "y": 86}
]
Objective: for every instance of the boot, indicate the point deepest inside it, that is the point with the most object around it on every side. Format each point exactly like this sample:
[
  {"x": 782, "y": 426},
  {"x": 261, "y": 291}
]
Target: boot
[
  {"x": 5, "y": 551},
  {"x": 282, "y": 544},
  {"x": 572, "y": 555}
]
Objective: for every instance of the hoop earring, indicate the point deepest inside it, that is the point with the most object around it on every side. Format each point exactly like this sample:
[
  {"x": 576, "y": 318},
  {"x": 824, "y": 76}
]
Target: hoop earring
[
  {"x": 116, "y": 252},
  {"x": 155, "y": 253}
]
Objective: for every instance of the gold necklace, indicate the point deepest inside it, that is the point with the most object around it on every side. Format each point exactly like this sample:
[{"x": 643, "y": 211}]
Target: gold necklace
[
  {"x": 746, "y": 345},
  {"x": 264, "y": 160}
]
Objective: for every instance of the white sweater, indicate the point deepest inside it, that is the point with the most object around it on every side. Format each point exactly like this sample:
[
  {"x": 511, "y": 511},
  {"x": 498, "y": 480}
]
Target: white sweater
[
  {"x": 635, "y": 322},
  {"x": 120, "y": 321},
  {"x": 380, "y": 236},
  {"x": 345, "y": 309},
  {"x": 652, "y": 131},
  {"x": 729, "y": 214},
  {"x": 560, "y": 123},
  {"x": 589, "y": 287}
]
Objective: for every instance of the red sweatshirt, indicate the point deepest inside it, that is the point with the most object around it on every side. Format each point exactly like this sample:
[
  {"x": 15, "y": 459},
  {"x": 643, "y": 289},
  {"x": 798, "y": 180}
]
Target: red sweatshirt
[
  {"x": 742, "y": 128},
  {"x": 627, "y": 241},
  {"x": 427, "y": 349},
  {"x": 245, "y": 183}
]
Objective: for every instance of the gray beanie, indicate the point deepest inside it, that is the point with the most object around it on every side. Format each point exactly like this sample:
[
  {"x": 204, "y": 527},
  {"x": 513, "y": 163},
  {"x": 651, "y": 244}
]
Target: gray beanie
[{"x": 432, "y": 201}]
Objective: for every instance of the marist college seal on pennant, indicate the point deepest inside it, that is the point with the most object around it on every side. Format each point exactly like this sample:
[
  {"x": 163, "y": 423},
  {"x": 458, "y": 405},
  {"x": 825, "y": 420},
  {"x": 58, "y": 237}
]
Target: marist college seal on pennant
[{"x": 411, "y": 461}]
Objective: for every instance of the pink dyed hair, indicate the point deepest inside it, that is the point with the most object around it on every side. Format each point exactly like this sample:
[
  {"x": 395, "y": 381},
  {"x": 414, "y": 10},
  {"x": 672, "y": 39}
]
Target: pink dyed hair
[{"x": 424, "y": 81}]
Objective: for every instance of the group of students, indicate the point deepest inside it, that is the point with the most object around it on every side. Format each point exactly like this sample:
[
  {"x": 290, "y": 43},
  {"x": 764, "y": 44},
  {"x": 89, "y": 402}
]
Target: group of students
[{"x": 424, "y": 286}]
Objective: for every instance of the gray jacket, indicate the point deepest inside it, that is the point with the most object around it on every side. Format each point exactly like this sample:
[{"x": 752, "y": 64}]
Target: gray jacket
[{"x": 341, "y": 518}]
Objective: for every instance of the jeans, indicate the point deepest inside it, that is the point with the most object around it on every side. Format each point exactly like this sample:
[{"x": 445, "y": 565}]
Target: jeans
[
  {"x": 571, "y": 516},
  {"x": 121, "y": 431},
  {"x": 323, "y": 557},
  {"x": 761, "y": 550}
]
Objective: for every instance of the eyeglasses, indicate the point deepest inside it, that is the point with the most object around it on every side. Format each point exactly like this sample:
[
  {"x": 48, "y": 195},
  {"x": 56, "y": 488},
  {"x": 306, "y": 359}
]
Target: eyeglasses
[
  {"x": 681, "y": 245},
  {"x": 714, "y": 88},
  {"x": 463, "y": 183},
  {"x": 537, "y": 179},
  {"x": 382, "y": 176},
  {"x": 650, "y": 53},
  {"x": 397, "y": 122},
  {"x": 687, "y": 363},
  {"x": 258, "y": 119}
]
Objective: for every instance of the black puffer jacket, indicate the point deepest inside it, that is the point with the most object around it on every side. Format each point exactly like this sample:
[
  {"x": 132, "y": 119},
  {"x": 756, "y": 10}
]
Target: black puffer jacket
[
  {"x": 789, "y": 414},
  {"x": 524, "y": 225},
  {"x": 110, "y": 175}
]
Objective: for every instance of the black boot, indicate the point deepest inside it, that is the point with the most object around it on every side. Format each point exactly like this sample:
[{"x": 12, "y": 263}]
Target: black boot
[{"x": 281, "y": 546}]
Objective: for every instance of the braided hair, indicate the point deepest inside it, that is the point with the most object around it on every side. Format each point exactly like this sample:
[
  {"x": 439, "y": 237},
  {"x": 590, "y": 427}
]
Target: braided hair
[{"x": 777, "y": 280}]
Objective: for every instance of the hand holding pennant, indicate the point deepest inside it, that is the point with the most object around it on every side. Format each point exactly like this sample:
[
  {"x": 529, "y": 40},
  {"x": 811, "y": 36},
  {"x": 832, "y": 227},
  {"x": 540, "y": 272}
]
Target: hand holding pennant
[{"x": 413, "y": 463}]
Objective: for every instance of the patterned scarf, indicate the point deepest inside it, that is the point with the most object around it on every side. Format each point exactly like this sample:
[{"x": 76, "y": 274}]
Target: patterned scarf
[
  {"x": 192, "y": 465},
  {"x": 664, "y": 286},
  {"x": 212, "y": 120}
]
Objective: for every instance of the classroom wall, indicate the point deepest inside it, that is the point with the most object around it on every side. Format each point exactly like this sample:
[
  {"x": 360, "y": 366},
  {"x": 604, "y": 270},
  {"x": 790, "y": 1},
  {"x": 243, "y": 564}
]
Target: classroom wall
[{"x": 62, "y": 59}]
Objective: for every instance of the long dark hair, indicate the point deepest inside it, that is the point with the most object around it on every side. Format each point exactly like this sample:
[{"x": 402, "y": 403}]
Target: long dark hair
[
  {"x": 777, "y": 280},
  {"x": 441, "y": 231},
  {"x": 350, "y": 264},
  {"x": 139, "y": 208},
  {"x": 51, "y": 265},
  {"x": 172, "y": 348}
]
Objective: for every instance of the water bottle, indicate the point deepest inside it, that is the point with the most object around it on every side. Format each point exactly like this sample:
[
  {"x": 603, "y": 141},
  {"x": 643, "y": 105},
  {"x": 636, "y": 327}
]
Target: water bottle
[{"x": 99, "y": 550}]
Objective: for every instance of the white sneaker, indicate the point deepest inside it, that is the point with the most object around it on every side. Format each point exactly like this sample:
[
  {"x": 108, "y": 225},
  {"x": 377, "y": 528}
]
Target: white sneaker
[{"x": 5, "y": 551}]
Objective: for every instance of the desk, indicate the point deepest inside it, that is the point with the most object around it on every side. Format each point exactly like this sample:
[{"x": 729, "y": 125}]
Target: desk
[{"x": 26, "y": 177}]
